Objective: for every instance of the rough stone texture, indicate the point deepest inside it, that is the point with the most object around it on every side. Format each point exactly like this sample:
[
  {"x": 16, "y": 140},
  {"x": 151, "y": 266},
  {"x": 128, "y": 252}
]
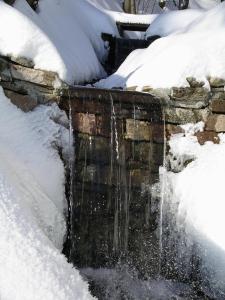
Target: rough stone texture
[
  {"x": 207, "y": 136},
  {"x": 40, "y": 77},
  {"x": 216, "y": 122},
  {"x": 194, "y": 83},
  {"x": 189, "y": 97},
  {"x": 23, "y": 61},
  {"x": 172, "y": 129},
  {"x": 24, "y": 102},
  {"x": 138, "y": 130},
  {"x": 183, "y": 116},
  {"x": 218, "y": 106},
  {"x": 216, "y": 82}
]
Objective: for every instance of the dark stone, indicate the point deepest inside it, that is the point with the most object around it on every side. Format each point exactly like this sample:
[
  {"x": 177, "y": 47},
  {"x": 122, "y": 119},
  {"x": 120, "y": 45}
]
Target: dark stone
[
  {"x": 207, "y": 136},
  {"x": 218, "y": 105},
  {"x": 24, "y": 102}
]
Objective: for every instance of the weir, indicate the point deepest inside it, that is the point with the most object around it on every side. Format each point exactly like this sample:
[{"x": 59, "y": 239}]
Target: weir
[{"x": 118, "y": 143}]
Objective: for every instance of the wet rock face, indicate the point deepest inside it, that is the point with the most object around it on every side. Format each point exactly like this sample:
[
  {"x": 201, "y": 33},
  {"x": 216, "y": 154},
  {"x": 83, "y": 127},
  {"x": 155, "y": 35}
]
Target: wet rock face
[{"x": 114, "y": 214}]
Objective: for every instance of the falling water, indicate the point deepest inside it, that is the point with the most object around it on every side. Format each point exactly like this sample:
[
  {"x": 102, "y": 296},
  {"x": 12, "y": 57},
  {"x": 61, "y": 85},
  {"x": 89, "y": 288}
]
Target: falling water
[{"x": 114, "y": 207}]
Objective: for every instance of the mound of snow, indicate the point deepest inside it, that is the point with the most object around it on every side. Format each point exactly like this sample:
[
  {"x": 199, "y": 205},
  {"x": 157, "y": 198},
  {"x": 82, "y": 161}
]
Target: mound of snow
[
  {"x": 64, "y": 37},
  {"x": 172, "y": 21},
  {"x": 32, "y": 202},
  {"x": 198, "y": 198},
  {"x": 198, "y": 51}
]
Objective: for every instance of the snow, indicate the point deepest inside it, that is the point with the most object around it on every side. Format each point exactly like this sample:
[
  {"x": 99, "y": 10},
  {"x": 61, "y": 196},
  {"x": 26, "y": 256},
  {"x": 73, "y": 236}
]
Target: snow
[
  {"x": 32, "y": 203},
  {"x": 173, "y": 21},
  {"x": 170, "y": 60},
  {"x": 59, "y": 38},
  {"x": 199, "y": 191}
]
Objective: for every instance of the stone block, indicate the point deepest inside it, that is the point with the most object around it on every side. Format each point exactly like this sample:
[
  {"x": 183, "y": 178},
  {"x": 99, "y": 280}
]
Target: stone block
[
  {"x": 188, "y": 97},
  {"x": 207, "y": 136},
  {"x": 84, "y": 123},
  {"x": 24, "y": 102},
  {"x": 182, "y": 116},
  {"x": 216, "y": 82},
  {"x": 216, "y": 122},
  {"x": 218, "y": 106},
  {"x": 138, "y": 130},
  {"x": 188, "y": 93},
  {"x": 44, "y": 78}
]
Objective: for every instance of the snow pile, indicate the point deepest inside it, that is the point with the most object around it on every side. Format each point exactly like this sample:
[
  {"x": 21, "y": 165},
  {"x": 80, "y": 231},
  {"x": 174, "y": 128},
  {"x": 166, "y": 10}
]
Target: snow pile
[
  {"x": 198, "y": 190},
  {"x": 32, "y": 224},
  {"x": 173, "y": 21},
  {"x": 64, "y": 37},
  {"x": 170, "y": 60}
]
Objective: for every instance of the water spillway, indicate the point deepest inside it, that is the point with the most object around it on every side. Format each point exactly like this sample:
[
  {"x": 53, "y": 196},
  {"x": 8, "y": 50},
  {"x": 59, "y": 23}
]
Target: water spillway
[{"x": 118, "y": 145}]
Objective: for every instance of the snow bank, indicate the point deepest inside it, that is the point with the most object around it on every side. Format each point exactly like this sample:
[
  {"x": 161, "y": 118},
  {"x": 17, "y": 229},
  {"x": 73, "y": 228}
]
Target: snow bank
[
  {"x": 32, "y": 224},
  {"x": 173, "y": 21},
  {"x": 198, "y": 190},
  {"x": 170, "y": 60},
  {"x": 59, "y": 38}
]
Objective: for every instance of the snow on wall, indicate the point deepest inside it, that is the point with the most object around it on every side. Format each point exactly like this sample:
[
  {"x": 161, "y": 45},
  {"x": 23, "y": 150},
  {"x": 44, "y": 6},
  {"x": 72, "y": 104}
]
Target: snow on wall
[
  {"x": 32, "y": 202},
  {"x": 170, "y": 60}
]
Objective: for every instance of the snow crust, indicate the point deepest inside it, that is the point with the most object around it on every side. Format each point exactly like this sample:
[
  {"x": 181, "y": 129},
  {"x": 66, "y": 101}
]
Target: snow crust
[
  {"x": 170, "y": 60},
  {"x": 198, "y": 192},
  {"x": 32, "y": 203}
]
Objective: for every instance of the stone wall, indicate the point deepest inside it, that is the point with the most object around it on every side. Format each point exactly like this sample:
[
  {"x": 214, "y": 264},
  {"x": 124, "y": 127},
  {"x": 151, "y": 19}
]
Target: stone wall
[
  {"x": 26, "y": 86},
  {"x": 119, "y": 146}
]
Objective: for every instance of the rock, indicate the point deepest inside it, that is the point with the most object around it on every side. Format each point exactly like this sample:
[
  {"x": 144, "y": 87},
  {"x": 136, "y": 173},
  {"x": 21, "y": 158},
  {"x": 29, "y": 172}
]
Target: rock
[
  {"x": 194, "y": 83},
  {"x": 24, "y": 102},
  {"x": 5, "y": 70},
  {"x": 216, "y": 82},
  {"x": 45, "y": 78},
  {"x": 218, "y": 106},
  {"x": 219, "y": 95},
  {"x": 23, "y": 61},
  {"x": 131, "y": 88},
  {"x": 188, "y": 93},
  {"x": 207, "y": 136},
  {"x": 146, "y": 89},
  {"x": 182, "y": 116},
  {"x": 138, "y": 130},
  {"x": 173, "y": 129},
  {"x": 216, "y": 123}
]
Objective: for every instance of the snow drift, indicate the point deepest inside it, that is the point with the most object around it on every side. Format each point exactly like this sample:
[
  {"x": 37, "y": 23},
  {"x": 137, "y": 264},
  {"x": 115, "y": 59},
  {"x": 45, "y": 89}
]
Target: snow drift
[
  {"x": 59, "y": 38},
  {"x": 197, "y": 196},
  {"x": 32, "y": 203},
  {"x": 170, "y": 60}
]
